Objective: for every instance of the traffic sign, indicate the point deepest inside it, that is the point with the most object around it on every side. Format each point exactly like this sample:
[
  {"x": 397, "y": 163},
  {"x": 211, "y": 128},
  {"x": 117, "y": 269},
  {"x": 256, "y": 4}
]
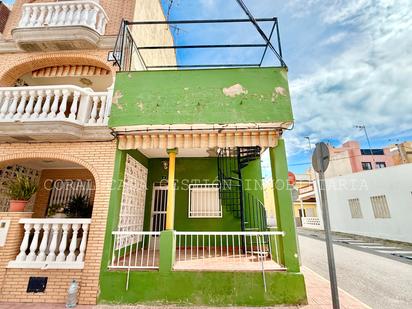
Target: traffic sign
[{"x": 320, "y": 158}]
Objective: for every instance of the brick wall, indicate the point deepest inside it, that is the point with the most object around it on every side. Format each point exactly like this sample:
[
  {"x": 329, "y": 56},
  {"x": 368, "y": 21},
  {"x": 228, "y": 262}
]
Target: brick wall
[
  {"x": 4, "y": 15},
  {"x": 98, "y": 158},
  {"x": 13, "y": 66},
  {"x": 46, "y": 178}
]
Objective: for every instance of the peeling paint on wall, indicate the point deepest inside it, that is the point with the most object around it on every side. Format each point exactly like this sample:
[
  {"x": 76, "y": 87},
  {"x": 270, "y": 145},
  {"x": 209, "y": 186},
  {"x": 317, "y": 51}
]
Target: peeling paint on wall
[
  {"x": 278, "y": 91},
  {"x": 115, "y": 100},
  {"x": 234, "y": 90}
]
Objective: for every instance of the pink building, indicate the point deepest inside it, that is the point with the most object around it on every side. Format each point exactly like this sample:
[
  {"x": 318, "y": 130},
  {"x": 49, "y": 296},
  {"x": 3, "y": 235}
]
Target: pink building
[{"x": 350, "y": 158}]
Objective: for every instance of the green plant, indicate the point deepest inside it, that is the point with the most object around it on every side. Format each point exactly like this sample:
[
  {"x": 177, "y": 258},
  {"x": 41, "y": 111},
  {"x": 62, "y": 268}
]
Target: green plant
[
  {"x": 55, "y": 209},
  {"x": 22, "y": 188},
  {"x": 78, "y": 207}
]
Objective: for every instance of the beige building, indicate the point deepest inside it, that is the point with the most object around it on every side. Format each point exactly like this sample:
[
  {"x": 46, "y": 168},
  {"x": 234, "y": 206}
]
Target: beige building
[{"x": 55, "y": 102}]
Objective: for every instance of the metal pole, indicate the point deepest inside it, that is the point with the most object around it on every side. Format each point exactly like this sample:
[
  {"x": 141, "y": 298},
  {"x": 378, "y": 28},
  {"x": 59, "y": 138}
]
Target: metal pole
[
  {"x": 328, "y": 239},
  {"x": 363, "y": 127}
]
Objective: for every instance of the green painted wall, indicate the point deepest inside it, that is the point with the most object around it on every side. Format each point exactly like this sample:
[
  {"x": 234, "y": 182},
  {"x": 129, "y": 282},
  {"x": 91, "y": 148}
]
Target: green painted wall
[
  {"x": 197, "y": 96},
  {"x": 202, "y": 288},
  {"x": 189, "y": 170}
]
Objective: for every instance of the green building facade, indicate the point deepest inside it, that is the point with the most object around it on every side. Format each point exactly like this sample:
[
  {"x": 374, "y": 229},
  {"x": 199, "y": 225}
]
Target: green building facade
[{"x": 191, "y": 228}]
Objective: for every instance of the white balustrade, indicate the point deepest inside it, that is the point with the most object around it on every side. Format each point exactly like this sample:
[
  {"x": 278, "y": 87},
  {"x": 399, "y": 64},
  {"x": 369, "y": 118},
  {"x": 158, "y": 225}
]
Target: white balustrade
[
  {"x": 52, "y": 243},
  {"x": 67, "y": 13},
  {"x": 135, "y": 250},
  {"x": 55, "y": 103},
  {"x": 248, "y": 251}
]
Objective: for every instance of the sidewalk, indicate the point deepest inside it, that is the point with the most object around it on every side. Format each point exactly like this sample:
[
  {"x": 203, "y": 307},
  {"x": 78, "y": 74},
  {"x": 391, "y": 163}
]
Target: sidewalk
[{"x": 317, "y": 287}]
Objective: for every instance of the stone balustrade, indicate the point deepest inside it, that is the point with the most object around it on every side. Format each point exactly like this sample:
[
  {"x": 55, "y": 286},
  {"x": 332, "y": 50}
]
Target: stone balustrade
[
  {"x": 54, "y": 103},
  {"x": 52, "y": 244},
  {"x": 62, "y": 14}
]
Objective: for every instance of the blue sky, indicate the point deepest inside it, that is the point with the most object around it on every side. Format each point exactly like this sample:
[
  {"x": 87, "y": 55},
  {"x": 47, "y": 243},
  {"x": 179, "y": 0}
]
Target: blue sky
[{"x": 350, "y": 62}]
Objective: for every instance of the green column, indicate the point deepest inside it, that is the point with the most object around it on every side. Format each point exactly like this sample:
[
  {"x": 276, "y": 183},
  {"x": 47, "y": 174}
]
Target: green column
[
  {"x": 167, "y": 250},
  {"x": 284, "y": 211}
]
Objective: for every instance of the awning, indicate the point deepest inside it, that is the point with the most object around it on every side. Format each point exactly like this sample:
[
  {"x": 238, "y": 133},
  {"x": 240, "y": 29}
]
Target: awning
[{"x": 167, "y": 140}]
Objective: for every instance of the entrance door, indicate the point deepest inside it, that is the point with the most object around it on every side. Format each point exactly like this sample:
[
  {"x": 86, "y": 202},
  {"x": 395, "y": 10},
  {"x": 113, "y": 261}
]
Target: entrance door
[{"x": 159, "y": 206}]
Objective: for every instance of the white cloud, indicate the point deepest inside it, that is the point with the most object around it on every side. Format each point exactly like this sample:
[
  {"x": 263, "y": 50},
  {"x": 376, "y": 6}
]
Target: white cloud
[
  {"x": 370, "y": 82},
  {"x": 335, "y": 38}
]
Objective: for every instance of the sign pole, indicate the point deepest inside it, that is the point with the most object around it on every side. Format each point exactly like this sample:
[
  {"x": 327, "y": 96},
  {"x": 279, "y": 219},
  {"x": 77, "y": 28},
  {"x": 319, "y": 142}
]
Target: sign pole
[{"x": 320, "y": 161}]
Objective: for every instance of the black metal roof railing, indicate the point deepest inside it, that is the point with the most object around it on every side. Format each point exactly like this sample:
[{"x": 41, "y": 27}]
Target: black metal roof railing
[{"x": 128, "y": 51}]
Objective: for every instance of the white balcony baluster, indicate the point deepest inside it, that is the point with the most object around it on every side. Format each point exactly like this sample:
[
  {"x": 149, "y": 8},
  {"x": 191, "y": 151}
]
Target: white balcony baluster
[
  {"x": 49, "y": 15},
  {"x": 93, "y": 113},
  {"x": 70, "y": 14},
  {"x": 22, "y": 105},
  {"x": 5, "y": 107},
  {"x": 51, "y": 257},
  {"x": 56, "y": 13},
  {"x": 61, "y": 257},
  {"x": 30, "y": 105},
  {"x": 34, "y": 243},
  {"x": 40, "y": 19},
  {"x": 33, "y": 18},
  {"x": 62, "y": 17},
  {"x": 25, "y": 16},
  {"x": 25, "y": 243},
  {"x": 37, "y": 107},
  {"x": 55, "y": 105},
  {"x": 46, "y": 106},
  {"x": 13, "y": 106},
  {"x": 63, "y": 105},
  {"x": 73, "y": 244},
  {"x": 102, "y": 109},
  {"x": 44, "y": 242},
  {"x": 82, "y": 248}
]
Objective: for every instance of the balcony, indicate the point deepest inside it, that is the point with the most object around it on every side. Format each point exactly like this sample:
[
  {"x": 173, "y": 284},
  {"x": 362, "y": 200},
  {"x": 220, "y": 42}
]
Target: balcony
[
  {"x": 52, "y": 244},
  {"x": 64, "y": 113},
  {"x": 64, "y": 25}
]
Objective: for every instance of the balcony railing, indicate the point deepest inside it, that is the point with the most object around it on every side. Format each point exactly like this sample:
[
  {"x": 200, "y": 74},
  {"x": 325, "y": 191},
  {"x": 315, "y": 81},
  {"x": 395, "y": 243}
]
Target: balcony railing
[
  {"x": 54, "y": 103},
  {"x": 52, "y": 244},
  {"x": 231, "y": 251},
  {"x": 68, "y": 13}
]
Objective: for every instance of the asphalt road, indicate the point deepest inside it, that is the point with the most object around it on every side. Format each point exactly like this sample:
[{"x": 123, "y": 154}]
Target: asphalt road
[{"x": 375, "y": 280}]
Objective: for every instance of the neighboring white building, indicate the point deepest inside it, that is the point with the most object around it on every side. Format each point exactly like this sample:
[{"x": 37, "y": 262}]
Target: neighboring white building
[{"x": 375, "y": 203}]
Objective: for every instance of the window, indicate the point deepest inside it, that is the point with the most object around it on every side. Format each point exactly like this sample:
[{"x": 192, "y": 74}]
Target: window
[
  {"x": 380, "y": 164},
  {"x": 355, "y": 208},
  {"x": 374, "y": 152},
  {"x": 204, "y": 201},
  {"x": 380, "y": 206},
  {"x": 366, "y": 166}
]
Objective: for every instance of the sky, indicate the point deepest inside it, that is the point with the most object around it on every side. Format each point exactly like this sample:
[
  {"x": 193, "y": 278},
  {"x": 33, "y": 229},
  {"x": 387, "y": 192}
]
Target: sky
[{"x": 349, "y": 61}]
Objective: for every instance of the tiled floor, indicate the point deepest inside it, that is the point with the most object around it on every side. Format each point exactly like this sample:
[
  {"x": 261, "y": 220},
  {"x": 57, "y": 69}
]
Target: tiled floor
[{"x": 317, "y": 288}]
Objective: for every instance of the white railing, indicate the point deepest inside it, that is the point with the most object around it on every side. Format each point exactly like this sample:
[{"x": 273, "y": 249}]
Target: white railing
[
  {"x": 227, "y": 251},
  {"x": 312, "y": 223},
  {"x": 135, "y": 250},
  {"x": 52, "y": 244},
  {"x": 51, "y": 103},
  {"x": 67, "y": 13}
]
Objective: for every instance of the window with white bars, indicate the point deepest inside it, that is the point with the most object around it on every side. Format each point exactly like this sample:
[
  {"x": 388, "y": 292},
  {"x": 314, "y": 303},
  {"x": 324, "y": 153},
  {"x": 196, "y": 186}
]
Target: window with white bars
[
  {"x": 380, "y": 206},
  {"x": 133, "y": 196},
  {"x": 355, "y": 208},
  {"x": 64, "y": 190},
  {"x": 204, "y": 201}
]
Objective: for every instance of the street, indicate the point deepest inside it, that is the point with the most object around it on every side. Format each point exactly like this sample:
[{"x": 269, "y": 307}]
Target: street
[{"x": 377, "y": 281}]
